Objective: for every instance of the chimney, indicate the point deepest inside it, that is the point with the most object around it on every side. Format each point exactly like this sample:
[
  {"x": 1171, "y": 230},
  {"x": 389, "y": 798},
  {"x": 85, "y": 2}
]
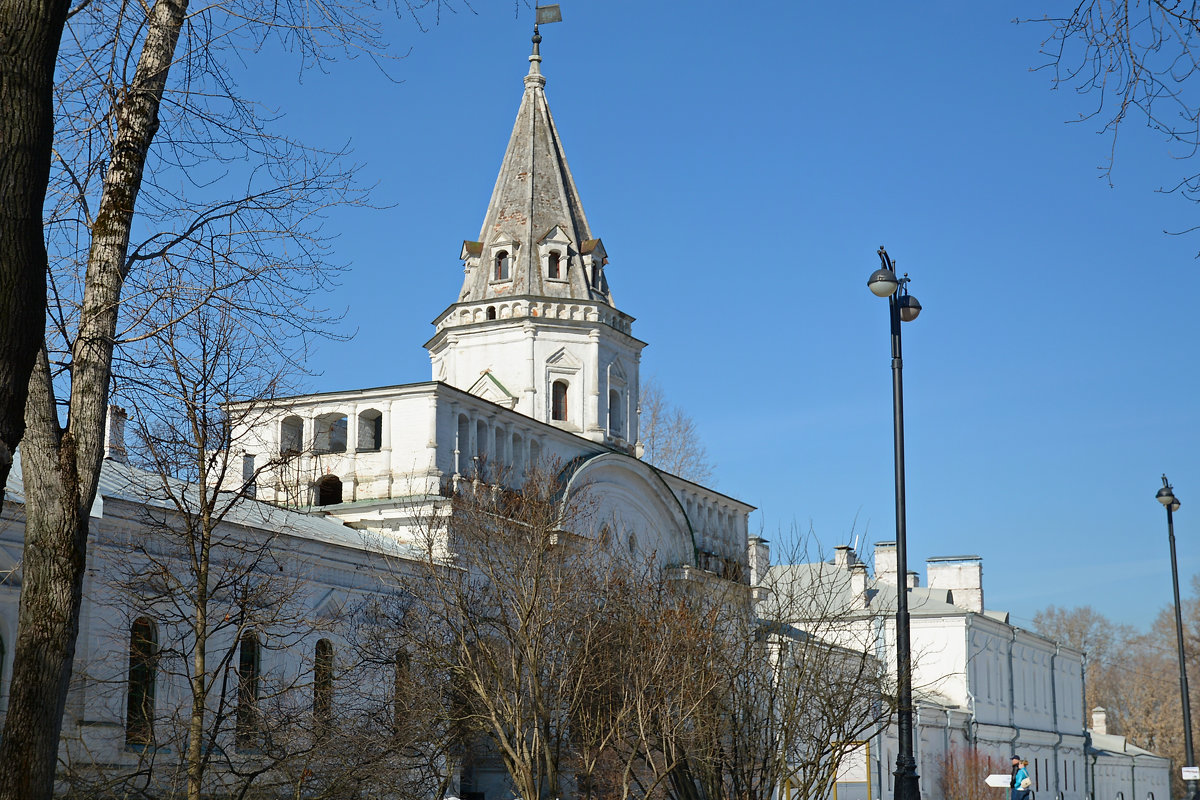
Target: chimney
[
  {"x": 914, "y": 580},
  {"x": 961, "y": 576},
  {"x": 844, "y": 557},
  {"x": 858, "y": 582},
  {"x": 760, "y": 560},
  {"x": 885, "y": 563},
  {"x": 1100, "y": 720},
  {"x": 114, "y": 435}
]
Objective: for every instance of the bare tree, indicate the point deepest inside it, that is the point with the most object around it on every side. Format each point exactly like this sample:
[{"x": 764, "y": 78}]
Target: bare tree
[
  {"x": 1104, "y": 643},
  {"x": 1133, "y": 675},
  {"x": 1133, "y": 58},
  {"x": 670, "y": 436},
  {"x": 962, "y": 772},
  {"x": 253, "y": 704},
  {"x": 797, "y": 690},
  {"x": 510, "y": 609},
  {"x": 163, "y": 173}
]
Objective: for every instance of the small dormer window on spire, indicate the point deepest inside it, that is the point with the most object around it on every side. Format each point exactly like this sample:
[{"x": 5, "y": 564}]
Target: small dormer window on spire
[
  {"x": 502, "y": 268},
  {"x": 553, "y": 265}
]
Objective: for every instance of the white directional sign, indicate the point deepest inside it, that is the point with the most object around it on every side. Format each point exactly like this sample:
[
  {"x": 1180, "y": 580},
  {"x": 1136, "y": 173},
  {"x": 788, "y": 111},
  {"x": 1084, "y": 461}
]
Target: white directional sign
[
  {"x": 1000, "y": 780},
  {"x": 1190, "y": 773}
]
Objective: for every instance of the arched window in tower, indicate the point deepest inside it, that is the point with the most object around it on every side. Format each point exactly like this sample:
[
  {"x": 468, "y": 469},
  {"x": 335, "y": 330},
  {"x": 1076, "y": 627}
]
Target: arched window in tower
[
  {"x": 330, "y": 433},
  {"x": 370, "y": 430},
  {"x": 558, "y": 401},
  {"x": 329, "y": 491},
  {"x": 323, "y": 687},
  {"x": 291, "y": 435},
  {"x": 614, "y": 413},
  {"x": 139, "y": 706},
  {"x": 502, "y": 266},
  {"x": 553, "y": 267},
  {"x": 491, "y": 312},
  {"x": 246, "y": 721}
]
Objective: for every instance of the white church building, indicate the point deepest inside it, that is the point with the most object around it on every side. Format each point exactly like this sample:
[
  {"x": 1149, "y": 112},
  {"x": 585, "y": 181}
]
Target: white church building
[{"x": 533, "y": 363}]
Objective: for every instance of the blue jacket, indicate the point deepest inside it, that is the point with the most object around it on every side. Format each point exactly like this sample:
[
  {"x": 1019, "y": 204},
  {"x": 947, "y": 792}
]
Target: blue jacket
[{"x": 1017, "y": 792}]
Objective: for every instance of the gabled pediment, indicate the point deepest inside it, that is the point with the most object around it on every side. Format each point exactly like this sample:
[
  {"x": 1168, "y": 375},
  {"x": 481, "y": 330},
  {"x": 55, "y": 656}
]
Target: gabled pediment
[
  {"x": 492, "y": 390},
  {"x": 556, "y": 235},
  {"x": 617, "y": 371},
  {"x": 563, "y": 358},
  {"x": 330, "y": 604}
]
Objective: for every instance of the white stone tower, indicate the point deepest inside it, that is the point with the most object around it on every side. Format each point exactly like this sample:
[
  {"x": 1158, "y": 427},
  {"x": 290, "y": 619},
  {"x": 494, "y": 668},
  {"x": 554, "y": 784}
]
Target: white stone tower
[{"x": 535, "y": 328}]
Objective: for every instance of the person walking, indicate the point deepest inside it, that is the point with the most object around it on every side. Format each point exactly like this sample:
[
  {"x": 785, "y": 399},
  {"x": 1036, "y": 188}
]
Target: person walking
[{"x": 1020, "y": 780}]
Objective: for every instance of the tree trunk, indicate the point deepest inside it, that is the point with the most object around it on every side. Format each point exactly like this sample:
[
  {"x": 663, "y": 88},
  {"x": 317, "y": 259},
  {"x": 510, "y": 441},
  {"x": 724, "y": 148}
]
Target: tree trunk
[
  {"x": 51, "y": 585},
  {"x": 62, "y": 467},
  {"x": 200, "y": 682},
  {"x": 30, "y": 31}
]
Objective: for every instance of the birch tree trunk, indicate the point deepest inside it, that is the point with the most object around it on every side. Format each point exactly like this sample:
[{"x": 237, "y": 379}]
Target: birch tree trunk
[
  {"x": 62, "y": 465},
  {"x": 30, "y": 31}
]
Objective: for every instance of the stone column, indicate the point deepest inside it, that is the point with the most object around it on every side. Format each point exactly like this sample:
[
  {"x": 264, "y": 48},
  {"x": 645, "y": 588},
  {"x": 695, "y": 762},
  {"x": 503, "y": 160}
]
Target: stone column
[
  {"x": 527, "y": 402},
  {"x": 591, "y": 372}
]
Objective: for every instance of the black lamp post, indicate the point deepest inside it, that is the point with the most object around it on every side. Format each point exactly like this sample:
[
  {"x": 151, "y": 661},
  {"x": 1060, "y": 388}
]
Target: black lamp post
[
  {"x": 902, "y": 307},
  {"x": 1166, "y": 496}
]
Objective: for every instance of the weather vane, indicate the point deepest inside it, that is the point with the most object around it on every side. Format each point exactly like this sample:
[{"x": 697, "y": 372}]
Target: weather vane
[{"x": 547, "y": 14}]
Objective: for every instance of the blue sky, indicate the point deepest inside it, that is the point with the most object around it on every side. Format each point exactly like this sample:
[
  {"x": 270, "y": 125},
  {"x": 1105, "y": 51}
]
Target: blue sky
[{"x": 742, "y": 165}]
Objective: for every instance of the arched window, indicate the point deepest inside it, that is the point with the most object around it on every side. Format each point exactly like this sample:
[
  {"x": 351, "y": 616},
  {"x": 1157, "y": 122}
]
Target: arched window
[
  {"x": 632, "y": 543},
  {"x": 501, "y": 457},
  {"x": 329, "y": 491},
  {"x": 143, "y": 657},
  {"x": 291, "y": 435},
  {"x": 246, "y": 722},
  {"x": 502, "y": 265},
  {"x": 331, "y": 433},
  {"x": 323, "y": 687},
  {"x": 481, "y": 446},
  {"x": 491, "y": 312},
  {"x": 553, "y": 268},
  {"x": 518, "y": 455},
  {"x": 462, "y": 445},
  {"x": 558, "y": 401},
  {"x": 535, "y": 455},
  {"x": 370, "y": 430},
  {"x": 614, "y": 412}
]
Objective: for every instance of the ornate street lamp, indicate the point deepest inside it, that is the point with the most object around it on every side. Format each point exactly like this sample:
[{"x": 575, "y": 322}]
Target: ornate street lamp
[
  {"x": 902, "y": 307},
  {"x": 1166, "y": 496}
]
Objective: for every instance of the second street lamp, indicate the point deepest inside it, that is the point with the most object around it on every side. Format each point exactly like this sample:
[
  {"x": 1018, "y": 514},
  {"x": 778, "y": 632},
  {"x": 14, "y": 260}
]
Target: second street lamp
[
  {"x": 902, "y": 307},
  {"x": 1166, "y": 496}
]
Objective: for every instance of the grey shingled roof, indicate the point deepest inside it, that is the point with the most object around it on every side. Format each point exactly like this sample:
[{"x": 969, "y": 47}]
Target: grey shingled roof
[
  {"x": 124, "y": 483},
  {"x": 835, "y": 589},
  {"x": 1111, "y": 744}
]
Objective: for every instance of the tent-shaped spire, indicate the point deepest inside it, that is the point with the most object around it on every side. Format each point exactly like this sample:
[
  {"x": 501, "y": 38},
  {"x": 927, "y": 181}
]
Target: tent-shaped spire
[{"x": 535, "y": 238}]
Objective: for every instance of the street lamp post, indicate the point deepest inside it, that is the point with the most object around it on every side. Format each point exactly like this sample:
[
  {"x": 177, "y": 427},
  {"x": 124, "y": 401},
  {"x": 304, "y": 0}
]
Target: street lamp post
[
  {"x": 1166, "y": 496},
  {"x": 902, "y": 307}
]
